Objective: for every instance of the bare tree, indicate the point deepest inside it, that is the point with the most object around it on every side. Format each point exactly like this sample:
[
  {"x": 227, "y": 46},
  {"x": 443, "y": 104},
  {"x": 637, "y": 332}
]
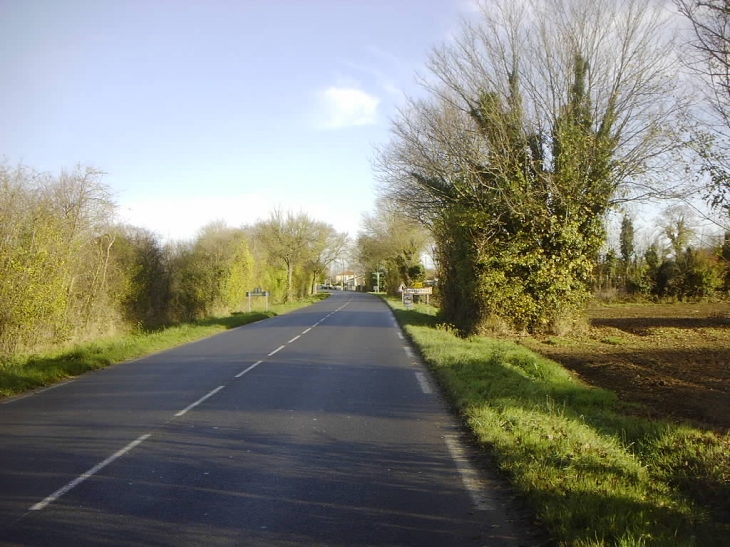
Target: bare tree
[
  {"x": 709, "y": 58},
  {"x": 326, "y": 246},
  {"x": 391, "y": 243},
  {"x": 710, "y": 20},
  {"x": 287, "y": 238},
  {"x": 678, "y": 227}
]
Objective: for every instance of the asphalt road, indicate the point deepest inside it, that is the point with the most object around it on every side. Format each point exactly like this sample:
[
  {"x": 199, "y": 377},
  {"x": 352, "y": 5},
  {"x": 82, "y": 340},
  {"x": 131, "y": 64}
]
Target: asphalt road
[{"x": 318, "y": 427}]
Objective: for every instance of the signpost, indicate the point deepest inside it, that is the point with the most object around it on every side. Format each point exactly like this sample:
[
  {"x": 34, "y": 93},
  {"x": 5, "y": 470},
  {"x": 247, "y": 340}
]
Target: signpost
[
  {"x": 409, "y": 293},
  {"x": 258, "y": 291},
  {"x": 422, "y": 290},
  {"x": 377, "y": 277}
]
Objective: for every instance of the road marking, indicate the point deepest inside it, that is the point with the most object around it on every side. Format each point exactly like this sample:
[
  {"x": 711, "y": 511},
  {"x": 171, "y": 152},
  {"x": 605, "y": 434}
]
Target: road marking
[
  {"x": 196, "y": 403},
  {"x": 277, "y": 350},
  {"x": 93, "y": 471},
  {"x": 305, "y": 331},
  {"x": 469, "y": 475},
  {"x": 409, "y": 352},
  {"x": 257, "y": 363},
  {"x": 294, "y": 339},
  {"x": 425, "y": 384},
  {"x": 400, "y": 335}
]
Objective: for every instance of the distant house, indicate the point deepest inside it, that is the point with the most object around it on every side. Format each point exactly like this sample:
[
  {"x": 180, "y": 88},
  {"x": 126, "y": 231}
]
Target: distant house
[{"x": 348, "y": 278}]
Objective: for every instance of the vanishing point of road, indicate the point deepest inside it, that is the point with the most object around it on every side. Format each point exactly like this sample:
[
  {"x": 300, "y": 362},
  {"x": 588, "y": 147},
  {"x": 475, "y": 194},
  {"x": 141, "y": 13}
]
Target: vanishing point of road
[{"x": 318, "y": 427}]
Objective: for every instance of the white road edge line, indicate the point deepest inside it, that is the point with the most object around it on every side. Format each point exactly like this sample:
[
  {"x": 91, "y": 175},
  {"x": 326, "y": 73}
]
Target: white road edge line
[
  {"x": 277, "y": 350},
  {"x": 469, "y": 475},
  {"x": 425, "y": 384},
  {"x": 400, "y": 335},
  {"x": 409, "y": 352},
  {"x": 38, "y": 391},
  {"x": 294, "y": 339},
  {"x": 257, "y": 363},
  {"x": 196, "y": 403},
  {"x": 305, "y": 331},
  {"x": 93, "y": 471}
]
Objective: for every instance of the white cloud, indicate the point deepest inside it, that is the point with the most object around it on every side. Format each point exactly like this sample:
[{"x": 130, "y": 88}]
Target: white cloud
[{"x": 349, "y": 106}]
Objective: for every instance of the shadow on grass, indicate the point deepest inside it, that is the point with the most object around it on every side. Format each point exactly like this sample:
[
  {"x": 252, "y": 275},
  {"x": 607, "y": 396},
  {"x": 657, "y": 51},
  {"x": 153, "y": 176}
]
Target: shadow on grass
[{"x": 683, "y": 463}]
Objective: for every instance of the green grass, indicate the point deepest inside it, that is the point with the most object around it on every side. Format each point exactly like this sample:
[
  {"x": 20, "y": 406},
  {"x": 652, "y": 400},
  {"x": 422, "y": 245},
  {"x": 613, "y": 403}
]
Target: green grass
[
  {"x": 595, "y": 476},
  {"x": 24, "y": 373}
]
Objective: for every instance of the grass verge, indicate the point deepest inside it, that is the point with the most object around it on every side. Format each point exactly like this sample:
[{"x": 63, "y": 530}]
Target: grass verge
[
  {"x": 20, "y": 374},
  {"x": 594, "y": 474}
]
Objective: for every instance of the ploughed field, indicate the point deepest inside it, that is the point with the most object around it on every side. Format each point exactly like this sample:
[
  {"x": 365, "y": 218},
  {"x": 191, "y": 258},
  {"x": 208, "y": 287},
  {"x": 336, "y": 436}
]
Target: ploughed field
[{"x": 673, "y": 359}]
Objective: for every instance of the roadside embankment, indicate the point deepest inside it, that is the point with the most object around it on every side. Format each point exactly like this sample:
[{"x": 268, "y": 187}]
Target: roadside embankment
[{"x": 594, "y": 472}]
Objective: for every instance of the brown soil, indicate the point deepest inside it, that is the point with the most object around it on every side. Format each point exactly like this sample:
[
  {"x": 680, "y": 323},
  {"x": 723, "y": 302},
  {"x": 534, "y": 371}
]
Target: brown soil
[{"x": 674, "y": 359}]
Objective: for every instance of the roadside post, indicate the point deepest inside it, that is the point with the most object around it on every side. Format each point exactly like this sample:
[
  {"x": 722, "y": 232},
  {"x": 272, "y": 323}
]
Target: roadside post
[{"x": 258, "y": 291}]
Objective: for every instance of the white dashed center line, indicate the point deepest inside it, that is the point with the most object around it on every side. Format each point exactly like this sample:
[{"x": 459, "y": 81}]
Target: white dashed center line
[
  {"x": 196, "y": 403},
  {"x": 118, "y": 454},
  {"x": 93, "y": 471},
  {"x": 277, "y": 350},
  {"x": 257, "y": 363}
]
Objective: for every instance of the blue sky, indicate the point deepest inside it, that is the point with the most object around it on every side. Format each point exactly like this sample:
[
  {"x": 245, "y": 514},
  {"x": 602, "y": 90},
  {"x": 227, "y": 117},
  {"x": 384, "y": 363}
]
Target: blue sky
[{"x": 214, "y": 109}]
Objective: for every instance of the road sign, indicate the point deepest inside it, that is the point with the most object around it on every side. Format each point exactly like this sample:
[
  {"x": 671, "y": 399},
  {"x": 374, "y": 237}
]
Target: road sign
[
  {"x": 258, "y": 291},
  {"x": 422, "y": 290},
  {"x": 407, "y": 300}
]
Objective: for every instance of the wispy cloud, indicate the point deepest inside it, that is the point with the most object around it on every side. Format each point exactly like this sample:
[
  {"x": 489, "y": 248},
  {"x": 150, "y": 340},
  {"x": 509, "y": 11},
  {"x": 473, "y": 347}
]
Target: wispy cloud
[{"x": 349, "y": 106}]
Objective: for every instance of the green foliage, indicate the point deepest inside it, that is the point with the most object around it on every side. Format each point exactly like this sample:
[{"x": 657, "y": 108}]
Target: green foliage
[
  {"x": 700, "y": 274},
  {"x": 533, "y": 128},
  {"x": 69, "y": 274},
  {"x": 141, "y": 278},
  {"x": 305, "y": 247},
  {"x": 724, "y": 262},
  {"x": 522, "y": 248},
  {"x": 54, "y": 257},
  {"x": 627, "y": 240},
  {"x": 696, "y": 274},
  {"x": 391, "y": 244},
  {"x": 211, "y": 275}
]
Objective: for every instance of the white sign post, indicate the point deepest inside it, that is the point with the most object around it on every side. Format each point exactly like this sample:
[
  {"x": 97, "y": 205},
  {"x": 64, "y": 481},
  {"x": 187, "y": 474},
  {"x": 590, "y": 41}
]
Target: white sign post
[
  {"x": 421, "y": 291},
  {"x": 258, "y": 291}
]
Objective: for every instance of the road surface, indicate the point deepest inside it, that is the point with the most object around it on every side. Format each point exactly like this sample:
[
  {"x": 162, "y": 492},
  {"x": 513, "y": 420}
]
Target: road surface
[{"x": 318, "y": 427}]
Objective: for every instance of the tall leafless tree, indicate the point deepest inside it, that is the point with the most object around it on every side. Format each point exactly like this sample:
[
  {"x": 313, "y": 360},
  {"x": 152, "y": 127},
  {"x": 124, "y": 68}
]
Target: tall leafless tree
[{"x": 709, "y": 58}]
